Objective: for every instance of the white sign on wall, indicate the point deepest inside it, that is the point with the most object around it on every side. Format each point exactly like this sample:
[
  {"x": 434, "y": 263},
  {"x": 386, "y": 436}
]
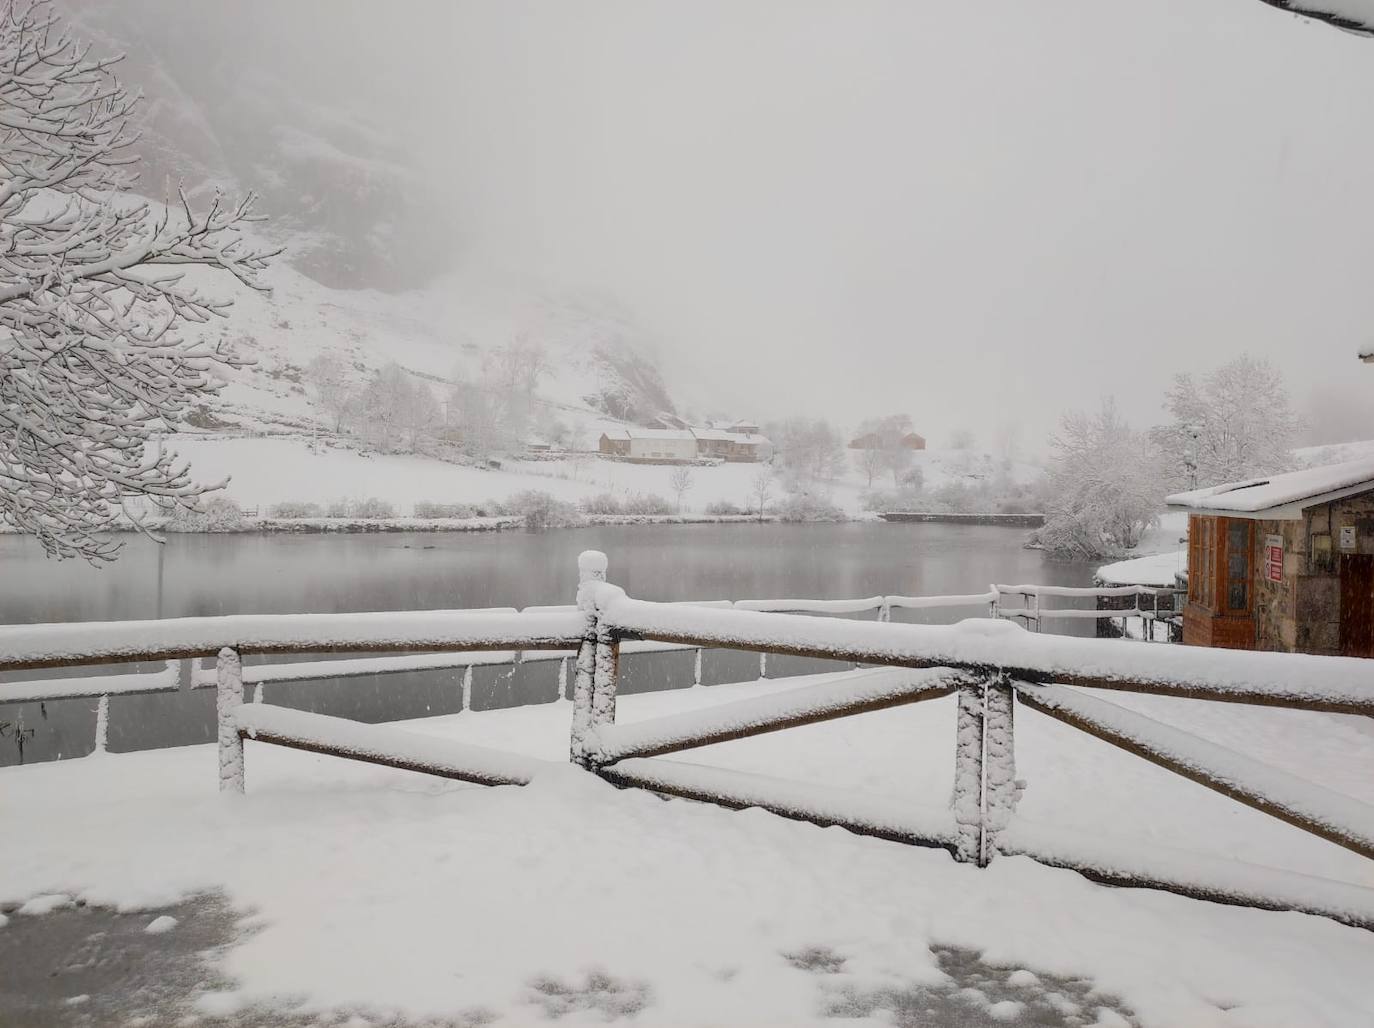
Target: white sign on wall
[{"x": 1347, "y": 537}]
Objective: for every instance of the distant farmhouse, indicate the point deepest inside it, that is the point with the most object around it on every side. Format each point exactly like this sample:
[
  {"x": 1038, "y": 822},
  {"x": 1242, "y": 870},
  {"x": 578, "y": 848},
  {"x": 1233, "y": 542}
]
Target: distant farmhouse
[
  {"x": 874, "y": 441},
  {"x": 684, "y": 445}
]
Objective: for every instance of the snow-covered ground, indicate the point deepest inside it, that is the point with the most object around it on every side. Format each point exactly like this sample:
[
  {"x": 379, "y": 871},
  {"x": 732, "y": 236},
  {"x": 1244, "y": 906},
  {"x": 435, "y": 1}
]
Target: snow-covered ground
[
  {"x": 273, "y": 469},
  {"x": 390, "y": 891}
]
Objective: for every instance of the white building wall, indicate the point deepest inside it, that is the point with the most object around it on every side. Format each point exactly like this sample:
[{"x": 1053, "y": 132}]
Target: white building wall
[{"x": 664, "y": 448}]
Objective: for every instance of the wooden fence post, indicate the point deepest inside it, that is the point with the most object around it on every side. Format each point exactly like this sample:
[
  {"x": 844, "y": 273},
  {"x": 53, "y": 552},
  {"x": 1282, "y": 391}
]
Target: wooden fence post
[
  {"x": 591, "y": 569},
  {"x": 968, "y": 775},
  {"x": 1000, "y": 787},
  {"x": 102, "y": 723},
  {"x": 985, "y": 784},
  {"x": 606, "y": 675},
  {"x": 228, "y": 697}
]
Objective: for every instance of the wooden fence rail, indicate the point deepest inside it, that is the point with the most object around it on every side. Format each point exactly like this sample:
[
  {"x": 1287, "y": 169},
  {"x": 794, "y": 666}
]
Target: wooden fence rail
[{"x": 990, "y": 666}]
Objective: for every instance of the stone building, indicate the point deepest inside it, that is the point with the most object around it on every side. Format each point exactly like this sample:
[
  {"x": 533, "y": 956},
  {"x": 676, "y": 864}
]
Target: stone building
[
  {"x": 650, "y": 445},
  {"x": 1283, "y": 563},
  {"x": 680, "y": 446}
]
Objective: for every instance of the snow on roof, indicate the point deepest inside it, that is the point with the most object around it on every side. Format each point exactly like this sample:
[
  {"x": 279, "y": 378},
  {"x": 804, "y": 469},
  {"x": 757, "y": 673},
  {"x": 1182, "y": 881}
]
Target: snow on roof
[
  {"x": 1157, "y": 569},
  {"x": 635, "y": 432},
  {"x": 709, "y": 434},
  {"x": 1280, "y": 497},
  {"x": 720, "y": 435}
]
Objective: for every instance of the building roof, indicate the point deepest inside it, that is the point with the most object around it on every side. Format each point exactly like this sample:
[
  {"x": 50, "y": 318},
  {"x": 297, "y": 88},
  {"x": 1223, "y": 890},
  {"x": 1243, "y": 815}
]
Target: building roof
[
  {"x": 1279, "y": 497},
  {"x": 635, "y": 432},
  {"x": 719, "y": 435}
]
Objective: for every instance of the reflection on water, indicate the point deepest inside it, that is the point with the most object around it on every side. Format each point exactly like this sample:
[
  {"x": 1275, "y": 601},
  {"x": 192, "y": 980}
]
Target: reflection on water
[{"x": 231, "y": 574}]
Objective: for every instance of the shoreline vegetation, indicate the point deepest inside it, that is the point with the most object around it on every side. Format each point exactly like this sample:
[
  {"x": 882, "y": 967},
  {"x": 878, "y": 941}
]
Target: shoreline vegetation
[{"x": 473, "y": 524}]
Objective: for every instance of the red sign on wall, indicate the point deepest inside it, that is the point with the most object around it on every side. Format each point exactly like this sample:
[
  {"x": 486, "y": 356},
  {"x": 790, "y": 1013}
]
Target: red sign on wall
[{"x": 1273, "y": 558}]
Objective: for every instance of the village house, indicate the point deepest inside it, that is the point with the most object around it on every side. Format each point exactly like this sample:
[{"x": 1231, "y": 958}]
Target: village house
[
  {"x": 737, "y": 447},
  {"x": 874, "y": 441},
  {"x": 1283, "y": 563},
  {"x": 678, "y": 446},
  {"x": 650, "y": 445}
]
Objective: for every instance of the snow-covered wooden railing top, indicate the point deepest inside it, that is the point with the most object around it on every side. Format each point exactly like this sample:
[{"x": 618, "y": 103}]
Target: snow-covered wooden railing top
[
  {"x": 1340, "y": 684},
  {"x": 96, "y": 642}
]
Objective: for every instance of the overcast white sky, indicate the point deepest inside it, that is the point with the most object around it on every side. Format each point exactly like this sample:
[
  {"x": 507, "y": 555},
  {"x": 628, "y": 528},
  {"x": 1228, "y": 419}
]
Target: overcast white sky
[{"x": 974, "y": 212}]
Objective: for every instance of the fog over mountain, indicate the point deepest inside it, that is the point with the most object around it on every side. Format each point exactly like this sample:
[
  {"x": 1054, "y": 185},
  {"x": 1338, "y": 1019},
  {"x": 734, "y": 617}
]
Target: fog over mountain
[{"x": 980, "y": 214}]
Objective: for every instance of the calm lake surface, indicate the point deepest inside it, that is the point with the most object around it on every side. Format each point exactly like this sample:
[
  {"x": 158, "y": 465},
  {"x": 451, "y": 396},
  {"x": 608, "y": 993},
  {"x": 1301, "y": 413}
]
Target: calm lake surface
[{"x": 278, "y": 573}]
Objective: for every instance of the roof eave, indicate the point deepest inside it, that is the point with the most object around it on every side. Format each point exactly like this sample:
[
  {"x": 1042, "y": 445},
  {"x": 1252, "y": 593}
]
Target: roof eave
[{"x": 1290, "y": 511}]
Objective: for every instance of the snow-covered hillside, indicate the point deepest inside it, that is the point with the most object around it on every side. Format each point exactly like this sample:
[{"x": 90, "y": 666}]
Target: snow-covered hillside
[
  {"x": 268, "y": 433},
  {"x": 440, "y": 334}
]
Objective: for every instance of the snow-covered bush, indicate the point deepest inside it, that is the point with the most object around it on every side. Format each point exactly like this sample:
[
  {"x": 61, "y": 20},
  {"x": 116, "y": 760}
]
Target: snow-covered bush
[
  {"x": 295, "y": 509},
  {"x": 894, "y": 499},
  {"x": 724, "y": 508},
  {"x": 602, "y": 503},
  {"x": 426, "y": 509},
  {"x": 806, "y": 507},
  {"x": 372, "y": 508},
  {"x": 220, "y": 514},
  {"x": 646, "y": 503},
  {"x": 1105, "y": 487},
  {"x": 541, "y": 510},
  {"x": 368, "y": 509}
]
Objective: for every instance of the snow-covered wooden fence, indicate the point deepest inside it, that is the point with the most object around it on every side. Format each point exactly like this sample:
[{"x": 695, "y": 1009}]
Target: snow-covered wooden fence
[
  {"x": 991, "y": 666},
  {"x": 1035, "y": 614}
]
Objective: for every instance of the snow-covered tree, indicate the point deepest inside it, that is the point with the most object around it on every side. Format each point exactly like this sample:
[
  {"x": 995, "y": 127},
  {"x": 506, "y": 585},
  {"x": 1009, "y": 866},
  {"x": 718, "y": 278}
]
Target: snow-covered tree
[
  {"x": 1237, "y": 423},
  {"x": 385, "y": 402},
  {"x": 681, "y": 480},
  {"x": 884, "y": 448},
  {"x": 420, "y": 417},
  {"x": 761, "y": 490},
  {"x": 1104, "y": 486},
  {"x": 869, "y": 461},
  {"x": 328, "y": 374},
  {"x": 475, "y": 418},
  {"x": 808, "y": 450},
  {"x": 92, "y": 370}
]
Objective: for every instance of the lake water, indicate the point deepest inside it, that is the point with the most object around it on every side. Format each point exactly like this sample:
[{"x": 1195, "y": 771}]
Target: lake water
[{"x": 230, "y": 574}]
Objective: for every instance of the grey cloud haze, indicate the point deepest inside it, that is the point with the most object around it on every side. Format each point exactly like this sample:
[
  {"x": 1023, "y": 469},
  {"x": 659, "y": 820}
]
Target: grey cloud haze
[{"x": 978, "y": 213}]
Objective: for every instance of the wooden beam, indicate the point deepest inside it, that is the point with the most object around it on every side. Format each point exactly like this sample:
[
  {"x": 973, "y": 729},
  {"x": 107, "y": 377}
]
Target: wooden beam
[
  {"x": 743, "y": 719},
  {"x": 825, "y": 806},
  {"x": 1135, "y": 733}
]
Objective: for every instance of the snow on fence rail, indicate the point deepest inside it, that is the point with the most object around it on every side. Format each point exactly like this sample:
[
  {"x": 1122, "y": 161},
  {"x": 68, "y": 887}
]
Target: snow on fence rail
[{"x": 989, "y": 665}]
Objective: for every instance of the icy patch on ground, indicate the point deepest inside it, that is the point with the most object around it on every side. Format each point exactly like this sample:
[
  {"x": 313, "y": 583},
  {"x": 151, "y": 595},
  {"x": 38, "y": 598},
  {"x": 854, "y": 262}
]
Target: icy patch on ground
[{"x": 971, "y": 992}]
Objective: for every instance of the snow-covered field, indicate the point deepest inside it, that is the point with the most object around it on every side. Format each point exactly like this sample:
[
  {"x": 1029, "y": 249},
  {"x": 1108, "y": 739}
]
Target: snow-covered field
[
  {"x": 377, "y": 889},
  {"x": 269, "y": 470}
]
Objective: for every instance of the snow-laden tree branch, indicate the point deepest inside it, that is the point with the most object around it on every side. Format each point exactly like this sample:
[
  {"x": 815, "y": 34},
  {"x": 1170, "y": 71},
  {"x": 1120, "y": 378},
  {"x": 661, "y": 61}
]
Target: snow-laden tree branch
[
  {"x": 1352, "y": 15},
  {"x": 91, "y": 368}
]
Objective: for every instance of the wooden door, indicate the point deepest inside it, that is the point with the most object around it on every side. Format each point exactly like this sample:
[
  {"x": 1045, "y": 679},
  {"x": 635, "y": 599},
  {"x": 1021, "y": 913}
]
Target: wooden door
[{"x": 1357, "y": 605}]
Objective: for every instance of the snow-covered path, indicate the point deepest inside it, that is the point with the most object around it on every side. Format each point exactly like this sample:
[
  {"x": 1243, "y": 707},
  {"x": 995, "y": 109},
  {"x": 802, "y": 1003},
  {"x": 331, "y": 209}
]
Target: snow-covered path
[{"x": 385, "y": 890}]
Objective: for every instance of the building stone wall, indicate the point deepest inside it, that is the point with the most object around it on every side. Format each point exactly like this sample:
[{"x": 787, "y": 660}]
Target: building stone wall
[
  {"x": 1275, "y": 602},
  {"x": 1303, "y": 612}
]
